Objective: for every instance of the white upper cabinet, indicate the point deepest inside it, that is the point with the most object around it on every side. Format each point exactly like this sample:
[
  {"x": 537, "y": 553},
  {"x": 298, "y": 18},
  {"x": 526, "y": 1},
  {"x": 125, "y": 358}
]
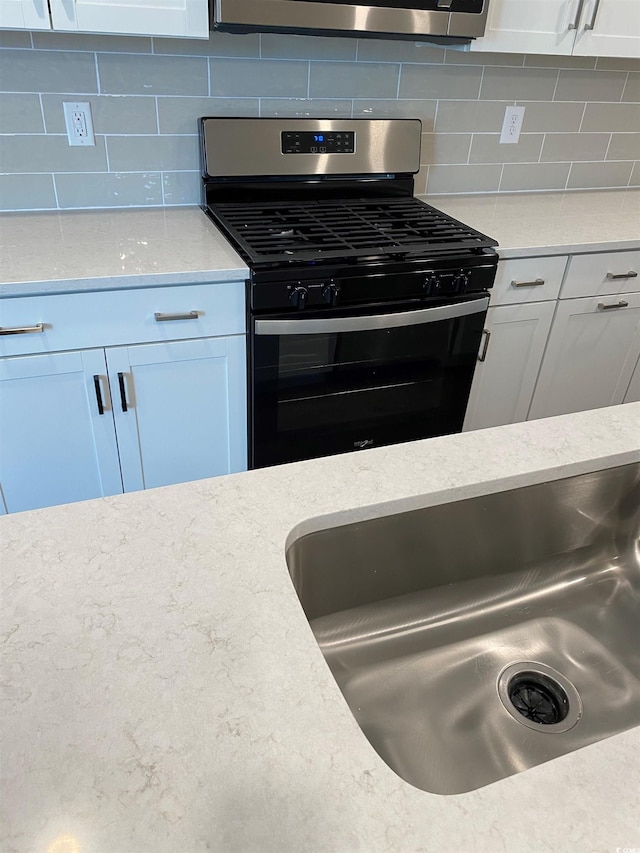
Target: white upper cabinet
[
  {"x": 24, "y": 15},
  {"x": 563, "y": 27},
  {"x": 520, "y": 26},
  {"x": 609, "y": 28},
  {"x": 181, "y": 18}
]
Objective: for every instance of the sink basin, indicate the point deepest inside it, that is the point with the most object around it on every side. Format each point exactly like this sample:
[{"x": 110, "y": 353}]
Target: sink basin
[{"x": 476, "y": 639}]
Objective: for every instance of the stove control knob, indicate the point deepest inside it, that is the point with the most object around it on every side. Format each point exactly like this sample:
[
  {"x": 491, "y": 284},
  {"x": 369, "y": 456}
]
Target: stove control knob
[
  {"x": 298, "y": 297},
  {"x": 460, "y": 282},
  {"x": 331, "y": 293},
  {"x": 432, "y": 284}
]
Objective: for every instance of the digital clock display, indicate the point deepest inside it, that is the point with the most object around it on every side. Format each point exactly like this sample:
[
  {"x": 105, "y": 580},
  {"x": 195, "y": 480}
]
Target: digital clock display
[{"x": 309, "y": 142}]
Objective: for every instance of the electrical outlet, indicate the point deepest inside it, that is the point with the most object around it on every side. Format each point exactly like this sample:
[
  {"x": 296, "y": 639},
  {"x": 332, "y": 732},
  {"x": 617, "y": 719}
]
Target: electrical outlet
[
  {"x": 512, "y": 124},
  {"x": 77, "y": 117}
]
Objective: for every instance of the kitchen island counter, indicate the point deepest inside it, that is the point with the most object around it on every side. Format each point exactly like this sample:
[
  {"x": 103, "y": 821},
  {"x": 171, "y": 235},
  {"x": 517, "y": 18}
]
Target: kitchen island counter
[{"x": 164, "y": 691}]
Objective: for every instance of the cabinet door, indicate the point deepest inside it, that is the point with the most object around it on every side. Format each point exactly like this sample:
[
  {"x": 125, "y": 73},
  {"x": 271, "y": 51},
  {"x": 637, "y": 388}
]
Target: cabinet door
[
  {"x": 503, "y": 382},
  {"x": 180, "y": 410},
  {"x": 633, "y": 391},
  {"x": 188, "y": 18},
  {"x": 613, "y": 29},
  {"x": 55, "y": 446},
  {"x": 529, "y": 26},
  {"x": 24, "y": 15},
  {"x": 592, "y": 351}
]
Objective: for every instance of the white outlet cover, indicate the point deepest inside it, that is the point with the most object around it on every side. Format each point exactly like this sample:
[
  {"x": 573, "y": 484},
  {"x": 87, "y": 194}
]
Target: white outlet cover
[
  {"x": 79, "y": 124},
  {"x": 512, "y": 125}
]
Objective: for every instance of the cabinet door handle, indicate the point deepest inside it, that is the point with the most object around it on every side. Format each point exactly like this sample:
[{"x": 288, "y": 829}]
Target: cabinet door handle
[
  {"x": 613, "y": 276},
  {"x": 185, "y": 315},
  {"x": 21, "y": 330},
  {"x": 594, "y": 15},
  {"x": 96, "y": 385},
  {"x": 574, "y": 24},
  {"x": 621, "y": 304},
  {"x": 123, "y": 392},
  {"x": 535, "y": 283},
  {"x": 485, "y": 345}
]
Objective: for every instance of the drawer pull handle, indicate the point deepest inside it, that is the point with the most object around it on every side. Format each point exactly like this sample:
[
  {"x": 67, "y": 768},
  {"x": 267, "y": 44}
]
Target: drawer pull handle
[
  {"x": 535, "y": 283},
  {"x": 613, "y": 276},
  {"x": 21, "y": 330},
  {"x": 621, "y": 304},
  {"x": 96, "y": 385},
  {"x": 485, "y": 347},
  {"x": 186, "y": 315},
  {"x": 123, "y": 392}
]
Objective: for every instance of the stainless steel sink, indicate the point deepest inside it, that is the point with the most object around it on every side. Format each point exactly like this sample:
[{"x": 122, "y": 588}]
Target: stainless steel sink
[{"x": 476, "y": 639}]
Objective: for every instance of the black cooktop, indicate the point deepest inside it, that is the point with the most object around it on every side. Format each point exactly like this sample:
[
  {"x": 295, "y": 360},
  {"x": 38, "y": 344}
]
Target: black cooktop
[{"x": 301, "y": 231}]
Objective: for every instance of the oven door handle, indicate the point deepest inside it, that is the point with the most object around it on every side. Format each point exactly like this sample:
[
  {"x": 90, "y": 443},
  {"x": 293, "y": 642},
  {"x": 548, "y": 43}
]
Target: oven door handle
[{"x": 330, "y": 325}]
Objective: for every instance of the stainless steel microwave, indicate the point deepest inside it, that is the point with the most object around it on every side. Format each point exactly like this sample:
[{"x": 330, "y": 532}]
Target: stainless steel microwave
[{"x": 444, "y": 20}]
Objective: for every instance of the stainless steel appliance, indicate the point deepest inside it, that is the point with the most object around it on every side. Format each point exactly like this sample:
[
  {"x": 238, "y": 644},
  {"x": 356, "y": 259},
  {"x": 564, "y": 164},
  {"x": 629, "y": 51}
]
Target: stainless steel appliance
[
  {"x": 409, "y": 19},
  {"x": 365, "y": 305}
]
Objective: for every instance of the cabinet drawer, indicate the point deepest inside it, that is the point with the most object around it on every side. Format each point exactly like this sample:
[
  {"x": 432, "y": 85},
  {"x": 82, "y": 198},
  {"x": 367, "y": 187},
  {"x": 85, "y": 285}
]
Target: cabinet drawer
[
  {"x": 107, "y": 318},
  {"x": 602, "y": 273},
  {"x": 528, "y": 280}
]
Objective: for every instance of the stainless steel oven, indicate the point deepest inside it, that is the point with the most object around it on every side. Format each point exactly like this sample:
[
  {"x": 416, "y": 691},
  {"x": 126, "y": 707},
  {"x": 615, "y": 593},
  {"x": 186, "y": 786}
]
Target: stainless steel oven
[
  {"x": 409, "y": 19},
  {"x": 365, "y": 306}
]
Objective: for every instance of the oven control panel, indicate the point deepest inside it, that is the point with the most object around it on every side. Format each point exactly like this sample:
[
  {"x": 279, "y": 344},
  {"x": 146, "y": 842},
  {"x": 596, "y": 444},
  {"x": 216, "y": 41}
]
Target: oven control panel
[{"x": 318, "y": 142}]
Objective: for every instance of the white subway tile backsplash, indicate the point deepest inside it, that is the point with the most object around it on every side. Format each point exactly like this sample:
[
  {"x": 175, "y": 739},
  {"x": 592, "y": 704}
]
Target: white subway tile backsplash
[{"x": 581, "y": 127}]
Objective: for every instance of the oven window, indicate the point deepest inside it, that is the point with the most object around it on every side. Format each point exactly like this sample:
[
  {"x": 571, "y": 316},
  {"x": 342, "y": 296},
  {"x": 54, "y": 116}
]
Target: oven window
[{"x": 318, "y": 394}]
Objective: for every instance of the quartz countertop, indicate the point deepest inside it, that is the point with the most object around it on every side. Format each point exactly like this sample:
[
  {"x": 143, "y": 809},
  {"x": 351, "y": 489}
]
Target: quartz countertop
[
  {"x": 72, "y": 251},
  {"x": 554, "y": 223},
  {"x": 164, "y": 692}
]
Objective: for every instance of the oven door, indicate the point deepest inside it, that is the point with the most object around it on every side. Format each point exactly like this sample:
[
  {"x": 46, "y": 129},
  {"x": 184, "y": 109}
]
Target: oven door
[
  {"x": 330, "y": 384},
  {"x": 398, "y": 18}
]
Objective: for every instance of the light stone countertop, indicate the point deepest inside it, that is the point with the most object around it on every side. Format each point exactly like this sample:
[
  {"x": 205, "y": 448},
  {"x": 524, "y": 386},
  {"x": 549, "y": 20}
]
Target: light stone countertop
[
  {"x": 69, "y": 251},
  {"x": 73, "y": 251},
  {"x": 555, "y": 223},
  {"x": 164, "y": 692}
]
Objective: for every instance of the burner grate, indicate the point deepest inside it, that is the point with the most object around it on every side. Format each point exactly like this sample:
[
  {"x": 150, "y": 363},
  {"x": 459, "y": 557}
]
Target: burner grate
[{"x": 300, "y": 231}]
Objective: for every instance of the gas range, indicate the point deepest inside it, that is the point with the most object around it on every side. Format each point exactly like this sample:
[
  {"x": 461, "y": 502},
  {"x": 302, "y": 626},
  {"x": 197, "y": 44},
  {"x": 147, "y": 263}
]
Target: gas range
[{"x": 340, "y": 252}]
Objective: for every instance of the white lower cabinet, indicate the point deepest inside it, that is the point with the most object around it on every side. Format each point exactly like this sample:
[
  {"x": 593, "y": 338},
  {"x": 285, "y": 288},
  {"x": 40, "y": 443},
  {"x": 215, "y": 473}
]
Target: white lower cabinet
[
  {"x": 633, "y": 391},
  {"x": 80, "y": 425},
  {"x": 56, "y": 446},
  {"x": 179, "y": 410},
  {"x": 591, "y": 355},
  {"x": 510, "y": 357}
]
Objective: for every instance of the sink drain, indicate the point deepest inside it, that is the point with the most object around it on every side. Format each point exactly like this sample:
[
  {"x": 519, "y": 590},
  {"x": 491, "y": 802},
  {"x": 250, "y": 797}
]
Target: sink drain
[{"x": 539, "y": 697}]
